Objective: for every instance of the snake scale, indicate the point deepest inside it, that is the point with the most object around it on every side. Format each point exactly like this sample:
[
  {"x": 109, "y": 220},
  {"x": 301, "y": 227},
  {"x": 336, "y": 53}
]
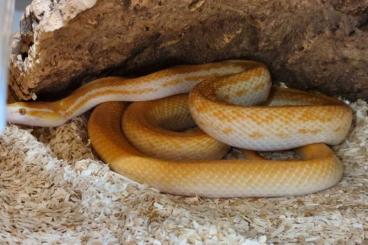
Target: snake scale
[{"x": 184, "y": 119}]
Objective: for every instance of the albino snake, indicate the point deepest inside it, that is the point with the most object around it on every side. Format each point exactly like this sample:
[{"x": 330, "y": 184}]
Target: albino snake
[{"x": 233, "y": 103}]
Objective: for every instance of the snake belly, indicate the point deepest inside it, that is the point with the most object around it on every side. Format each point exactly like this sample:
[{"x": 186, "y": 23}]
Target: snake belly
[{"x": 233, "y": 104}]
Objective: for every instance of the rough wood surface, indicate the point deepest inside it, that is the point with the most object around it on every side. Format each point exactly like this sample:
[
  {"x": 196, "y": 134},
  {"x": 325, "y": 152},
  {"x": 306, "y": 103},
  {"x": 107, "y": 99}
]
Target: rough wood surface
[{"x": 309, "y": 44}]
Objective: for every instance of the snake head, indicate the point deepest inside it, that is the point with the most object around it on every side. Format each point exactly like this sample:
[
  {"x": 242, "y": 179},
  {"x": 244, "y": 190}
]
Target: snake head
[
  {"x": 18, "y": 113},
  {"x": 27, "y": 113}
]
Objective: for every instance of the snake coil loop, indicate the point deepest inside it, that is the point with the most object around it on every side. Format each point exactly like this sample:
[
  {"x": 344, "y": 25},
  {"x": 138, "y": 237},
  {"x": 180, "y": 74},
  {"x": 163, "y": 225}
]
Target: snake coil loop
[{"x": 233, "y": 104}]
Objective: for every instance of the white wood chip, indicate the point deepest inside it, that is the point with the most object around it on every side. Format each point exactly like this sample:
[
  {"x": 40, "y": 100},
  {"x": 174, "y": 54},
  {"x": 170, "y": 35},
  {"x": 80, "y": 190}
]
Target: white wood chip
[{"x": 54, "y": 190}]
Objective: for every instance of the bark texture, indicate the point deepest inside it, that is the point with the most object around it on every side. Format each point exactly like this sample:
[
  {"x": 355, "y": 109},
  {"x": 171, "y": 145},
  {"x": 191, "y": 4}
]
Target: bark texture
[{"x": 308, "y": 44}]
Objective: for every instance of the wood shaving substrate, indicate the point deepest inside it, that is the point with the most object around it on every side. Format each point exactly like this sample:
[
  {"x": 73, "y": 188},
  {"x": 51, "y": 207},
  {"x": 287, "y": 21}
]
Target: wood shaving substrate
[{"x": 54, "y": 190}]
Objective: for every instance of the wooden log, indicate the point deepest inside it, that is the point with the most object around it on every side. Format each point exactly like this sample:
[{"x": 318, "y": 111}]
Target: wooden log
[{"x": 308, "y": 44}]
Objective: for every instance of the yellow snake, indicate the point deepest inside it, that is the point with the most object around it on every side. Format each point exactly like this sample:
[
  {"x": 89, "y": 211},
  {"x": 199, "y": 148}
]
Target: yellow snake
[{"x": 233, "y": 103}]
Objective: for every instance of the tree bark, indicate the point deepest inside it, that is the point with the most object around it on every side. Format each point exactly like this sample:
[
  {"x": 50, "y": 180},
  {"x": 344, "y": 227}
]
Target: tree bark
[{"x": 308, "y": 44}]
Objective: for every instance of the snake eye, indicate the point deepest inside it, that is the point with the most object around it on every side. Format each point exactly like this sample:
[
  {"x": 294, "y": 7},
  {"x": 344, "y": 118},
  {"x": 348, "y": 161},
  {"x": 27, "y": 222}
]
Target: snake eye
[{"x": 22, "y": 111}]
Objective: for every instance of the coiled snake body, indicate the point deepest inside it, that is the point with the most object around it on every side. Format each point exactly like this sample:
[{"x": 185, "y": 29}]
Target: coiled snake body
[{"x": 233, "y": 104}]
